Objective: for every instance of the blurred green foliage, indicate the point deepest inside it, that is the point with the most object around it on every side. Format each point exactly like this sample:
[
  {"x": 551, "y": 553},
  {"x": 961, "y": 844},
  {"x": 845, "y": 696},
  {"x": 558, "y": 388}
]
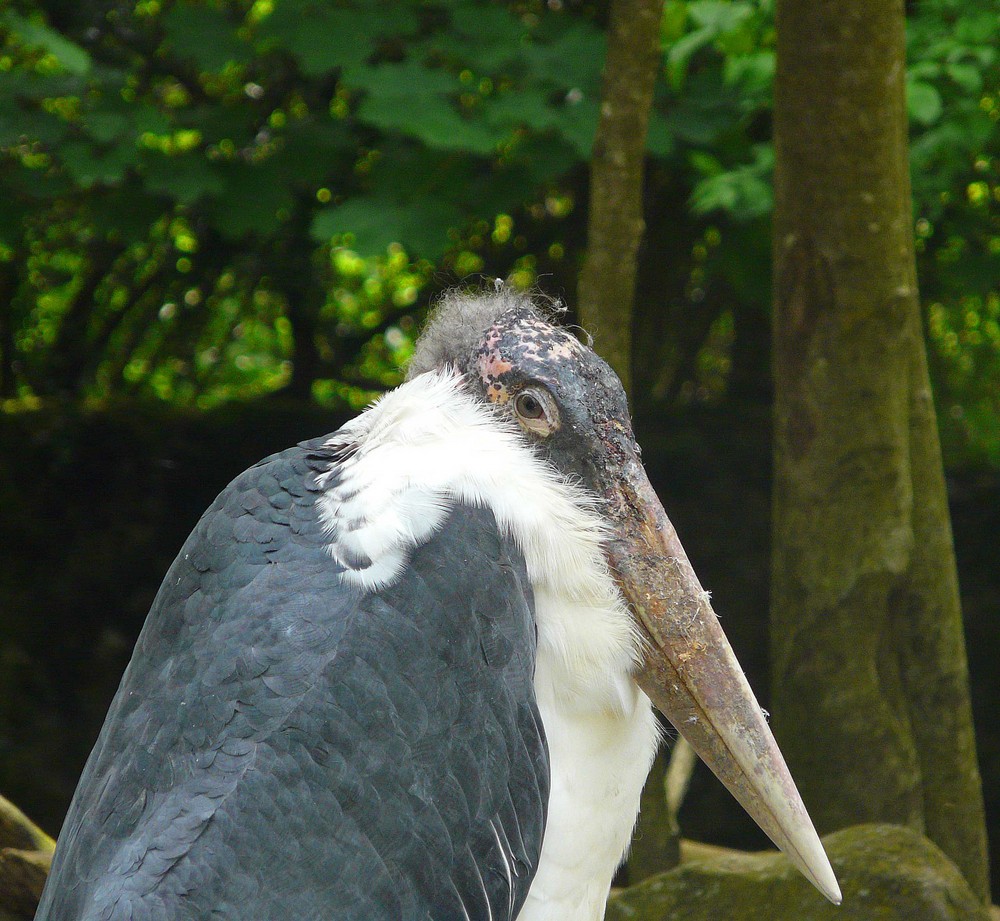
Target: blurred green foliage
[
  {"x": 720, "y": 63},
  {"x": 208, "y": 200}
]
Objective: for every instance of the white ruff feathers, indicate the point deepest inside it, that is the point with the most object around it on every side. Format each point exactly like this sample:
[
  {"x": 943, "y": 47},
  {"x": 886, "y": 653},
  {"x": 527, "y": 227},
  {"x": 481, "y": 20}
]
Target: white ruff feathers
[{"x": 408, "y": 460}]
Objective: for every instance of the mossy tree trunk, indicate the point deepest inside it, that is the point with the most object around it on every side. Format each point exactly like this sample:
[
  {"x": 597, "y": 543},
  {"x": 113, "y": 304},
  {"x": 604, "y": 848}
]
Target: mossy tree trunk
[
  {"x": 870, "y": 684},
  {"x": 615, "y": 225}
]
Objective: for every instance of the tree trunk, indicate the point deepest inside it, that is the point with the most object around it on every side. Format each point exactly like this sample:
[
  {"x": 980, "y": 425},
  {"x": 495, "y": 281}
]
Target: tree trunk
[
  {"x": 615, "y": 224},
  {"x": 870, "y": 683}
]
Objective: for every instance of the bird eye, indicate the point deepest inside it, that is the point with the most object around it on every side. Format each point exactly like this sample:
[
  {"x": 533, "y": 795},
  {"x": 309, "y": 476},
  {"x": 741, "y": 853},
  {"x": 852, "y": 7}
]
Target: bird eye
[
  {"x": 536, "y": 411},
  {"x": 528, "y": 406}
]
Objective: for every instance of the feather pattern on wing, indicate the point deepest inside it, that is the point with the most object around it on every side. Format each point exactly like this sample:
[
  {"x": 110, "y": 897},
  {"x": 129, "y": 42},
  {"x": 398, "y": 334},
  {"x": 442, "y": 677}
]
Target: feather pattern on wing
[{"x": 288, "y": 744}]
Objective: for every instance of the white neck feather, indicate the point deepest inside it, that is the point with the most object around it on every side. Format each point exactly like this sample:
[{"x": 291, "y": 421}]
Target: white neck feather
[
  {"x": 407, "y": 461},
  {"x": 430, "y": 444}
]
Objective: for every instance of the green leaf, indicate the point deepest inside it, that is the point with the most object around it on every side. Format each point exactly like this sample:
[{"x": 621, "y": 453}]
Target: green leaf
[
  {"x": 977, "y": 27},
  {"x": 416, "y": 101},
  {"x": 502, "y": 188},
  {"x": 751, "y": 73},
  {"x": 409, "y": 171},
  {"x": 249, "y": 199},
  {"x": 720, "y": 15},
  {"x": 322, "y": 37},
  {"x": 422, "y": 227},
  {"x": 234, "y": 123},
  {"x": 699, "y": 125},
  {"x": 684, "y": 47},
  {"x": 967, "y": 76},
  {"x": 315, "y": 151},
  {"x": 681, "y": 51},
  {"x": 924, "y": 70},
  {"x": 104, "y": 127},
  {"x": 184, "y": 178},
  {"x": 744, "y": 193},
  {"x": 404, "y": 81},
  {"x": 673, "y": 21},
  {"x": 574, "y": 116},
  {"x": 16, "y": 124},
  {"x": 109, "y": 119},
  {"x": 739, "y": 193},
  {"x": 254, "y": 195},
  {"x": 37, "y": 185},
  {"x": 705, "y": 163},
  {"x": 717, "y": 193},
  {"x": 71, "y": 56},
  {"x": 660, "y": 141},
  {"x": 578, "y": 125},
  {"x": 435, "y": 123},
  {"x": 521, "y": 108},
  {"x": 489, "y": 35},
  {"x": 573, "y": 60},
  {"x": 923, "y": 102},
  {"x": 204, "y": 35},
  {"x": 28, "y": 85},
  {"x": 90, "y": 167},
  {"x": 485, "y": 36},
  {"x": 545, "y": 158},
  {"x": 146, "y": 118}
]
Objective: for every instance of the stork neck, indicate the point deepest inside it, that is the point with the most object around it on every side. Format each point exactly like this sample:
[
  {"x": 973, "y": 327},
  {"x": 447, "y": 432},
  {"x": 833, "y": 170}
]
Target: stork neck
[{"x": 429, "y": 444}]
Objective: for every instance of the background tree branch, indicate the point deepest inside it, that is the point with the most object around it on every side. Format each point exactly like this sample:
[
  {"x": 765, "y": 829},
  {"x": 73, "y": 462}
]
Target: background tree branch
[{"x": 615, "y": 224}]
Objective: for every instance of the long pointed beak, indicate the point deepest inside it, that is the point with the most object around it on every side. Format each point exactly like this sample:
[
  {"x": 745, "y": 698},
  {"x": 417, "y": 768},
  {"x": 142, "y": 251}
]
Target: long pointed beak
[{"x": 690, "y": 673}]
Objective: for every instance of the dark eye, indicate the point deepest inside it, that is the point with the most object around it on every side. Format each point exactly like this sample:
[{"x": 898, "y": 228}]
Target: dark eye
[
  {"x": 529, "y": 406},
  {"x": 536, "y": 411}
]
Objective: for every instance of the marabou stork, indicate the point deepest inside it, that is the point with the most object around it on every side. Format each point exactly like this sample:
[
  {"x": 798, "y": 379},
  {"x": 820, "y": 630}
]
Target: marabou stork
[{"x": 404, "y": 672}]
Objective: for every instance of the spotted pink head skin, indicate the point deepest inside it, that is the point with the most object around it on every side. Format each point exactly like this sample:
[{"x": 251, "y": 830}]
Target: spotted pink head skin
[
  {"x": 520, "y": 349},
  {"x": 521, "y": 345}
]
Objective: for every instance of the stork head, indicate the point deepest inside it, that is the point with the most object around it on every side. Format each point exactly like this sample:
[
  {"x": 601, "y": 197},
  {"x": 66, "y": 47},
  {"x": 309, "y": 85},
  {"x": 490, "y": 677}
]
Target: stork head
[{"x": 571, "y": 406}]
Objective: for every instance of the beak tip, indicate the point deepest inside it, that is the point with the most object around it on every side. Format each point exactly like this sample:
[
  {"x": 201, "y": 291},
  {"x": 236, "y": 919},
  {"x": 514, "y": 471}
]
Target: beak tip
[
  {"x": 819, "y": 872},
  {"x": 829, "y": 886}
]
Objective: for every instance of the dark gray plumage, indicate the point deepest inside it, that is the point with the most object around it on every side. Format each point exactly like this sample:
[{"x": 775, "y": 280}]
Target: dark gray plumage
[{"x": 284, "y": 746}]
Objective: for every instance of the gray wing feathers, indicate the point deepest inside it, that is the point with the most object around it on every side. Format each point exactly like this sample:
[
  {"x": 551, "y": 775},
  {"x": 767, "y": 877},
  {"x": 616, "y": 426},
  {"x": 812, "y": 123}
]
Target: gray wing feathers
[{"x": 283, "y": 745}]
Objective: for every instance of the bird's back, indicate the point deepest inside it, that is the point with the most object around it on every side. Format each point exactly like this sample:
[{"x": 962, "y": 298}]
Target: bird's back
[{"x": 285, "y": 745}]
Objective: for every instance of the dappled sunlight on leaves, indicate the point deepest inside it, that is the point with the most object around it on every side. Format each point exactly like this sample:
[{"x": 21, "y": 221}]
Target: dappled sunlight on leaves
[{"x": 216, "y": 200}]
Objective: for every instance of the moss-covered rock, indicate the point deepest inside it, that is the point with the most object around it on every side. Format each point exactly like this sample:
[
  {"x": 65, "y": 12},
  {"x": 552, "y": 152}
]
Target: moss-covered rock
[
  {"x": 19, "y": 832},
  {"x": 25, "y": 857},
  {"x": 886, "y": 872},
  {"x": 22, "y": 878}
]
